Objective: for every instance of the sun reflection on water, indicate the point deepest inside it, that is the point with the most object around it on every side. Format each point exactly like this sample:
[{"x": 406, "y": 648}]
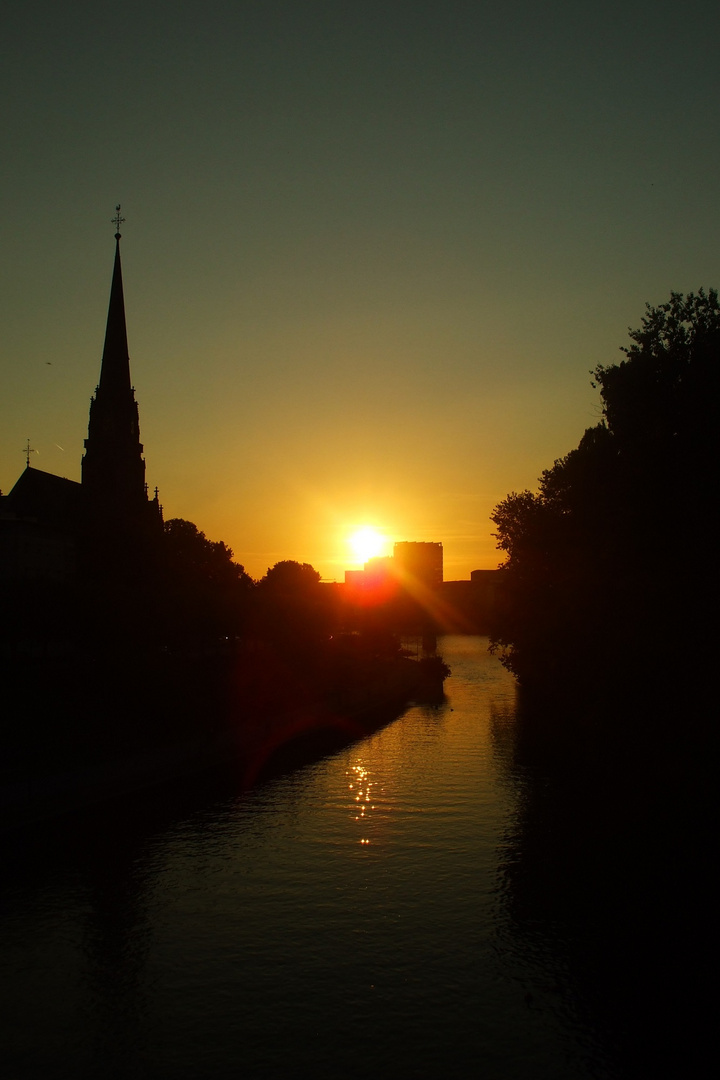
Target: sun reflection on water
[{"x": 361, "y": 804}]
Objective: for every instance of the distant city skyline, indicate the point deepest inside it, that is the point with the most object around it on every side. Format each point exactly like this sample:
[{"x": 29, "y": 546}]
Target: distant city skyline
[{"x": 371, "y": 255}]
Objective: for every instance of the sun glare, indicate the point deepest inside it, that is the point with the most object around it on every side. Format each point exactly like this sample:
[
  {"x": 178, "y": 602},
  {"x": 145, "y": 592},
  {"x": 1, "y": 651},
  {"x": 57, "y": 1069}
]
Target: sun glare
[{"x": 366, "y": 543}]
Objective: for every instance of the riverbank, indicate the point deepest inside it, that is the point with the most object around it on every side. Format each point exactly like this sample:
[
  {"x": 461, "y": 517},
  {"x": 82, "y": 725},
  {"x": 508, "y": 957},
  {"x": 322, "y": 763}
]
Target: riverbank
[{"x": 84, "y": 735}]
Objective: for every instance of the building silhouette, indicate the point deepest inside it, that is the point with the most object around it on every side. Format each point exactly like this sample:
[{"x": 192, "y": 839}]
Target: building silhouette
[
  {"x": 113, "y": 467},
  {"x": 413, "y": 564},
  {"x": 55, "y": 529},
  {"x": 418, "y": 561},
  {"x": 410, "y": 588}
]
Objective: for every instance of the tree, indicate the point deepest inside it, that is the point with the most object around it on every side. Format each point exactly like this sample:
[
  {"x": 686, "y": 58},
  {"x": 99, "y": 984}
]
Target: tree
[
  {"x": 293, "y": 608},
  {"x": 206, "y": 592},
  {"x": 666, "y": 389},
  {"x": 290, "y": 578},
  {"x": 608, "y": 562},
  {"x": 660, "y": 407},
  {"x": 192, "y": 554}
]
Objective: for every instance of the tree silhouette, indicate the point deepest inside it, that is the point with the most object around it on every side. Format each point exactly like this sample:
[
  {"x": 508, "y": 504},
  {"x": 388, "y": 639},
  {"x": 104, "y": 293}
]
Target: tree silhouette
[
  {"x": 606, "y": 576},
  {"x": 191, "y": 554},
  {"x": 293, "y": 609},
  {"x": 206, "y": 593},
  {"x": 290, "y": 578}
]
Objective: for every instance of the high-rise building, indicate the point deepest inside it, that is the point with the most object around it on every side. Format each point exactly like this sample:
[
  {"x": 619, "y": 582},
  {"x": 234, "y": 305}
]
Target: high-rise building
[{"x": 420, "y": 562}]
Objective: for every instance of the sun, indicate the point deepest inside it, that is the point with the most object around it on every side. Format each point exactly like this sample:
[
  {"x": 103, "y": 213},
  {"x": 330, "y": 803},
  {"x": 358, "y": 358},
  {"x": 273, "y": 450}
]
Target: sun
[{"x": 366, "y": 543}]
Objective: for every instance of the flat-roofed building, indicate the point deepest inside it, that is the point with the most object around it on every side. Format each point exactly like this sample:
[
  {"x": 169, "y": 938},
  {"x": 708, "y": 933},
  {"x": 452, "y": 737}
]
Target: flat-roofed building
[{"x": 420, "y": 561}]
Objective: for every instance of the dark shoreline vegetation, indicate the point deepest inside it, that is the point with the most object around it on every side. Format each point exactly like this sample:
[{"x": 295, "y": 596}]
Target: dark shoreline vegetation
[
  {"x": 609, "y": 565},
  {"x": 606, "y": 617},
  {"x": 608, "y": 625}
]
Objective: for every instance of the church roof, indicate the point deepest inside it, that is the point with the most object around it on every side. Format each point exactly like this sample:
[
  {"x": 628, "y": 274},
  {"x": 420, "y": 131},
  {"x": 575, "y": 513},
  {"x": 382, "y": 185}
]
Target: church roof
[{"x": 51, "y": 500}]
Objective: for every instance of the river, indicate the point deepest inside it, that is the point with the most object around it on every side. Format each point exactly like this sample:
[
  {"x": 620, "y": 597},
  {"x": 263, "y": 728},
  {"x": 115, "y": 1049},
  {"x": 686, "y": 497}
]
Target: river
[{"x": 357, "y": 917}]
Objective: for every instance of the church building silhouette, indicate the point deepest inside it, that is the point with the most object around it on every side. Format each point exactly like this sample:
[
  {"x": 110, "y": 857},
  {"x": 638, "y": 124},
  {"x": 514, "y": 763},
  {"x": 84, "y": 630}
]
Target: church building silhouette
[{"x": 54, "y": 528}]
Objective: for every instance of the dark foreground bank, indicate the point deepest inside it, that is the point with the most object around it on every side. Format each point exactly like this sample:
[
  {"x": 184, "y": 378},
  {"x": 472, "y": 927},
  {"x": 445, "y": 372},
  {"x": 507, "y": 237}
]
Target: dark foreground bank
[{"x": 77, "y": 734}]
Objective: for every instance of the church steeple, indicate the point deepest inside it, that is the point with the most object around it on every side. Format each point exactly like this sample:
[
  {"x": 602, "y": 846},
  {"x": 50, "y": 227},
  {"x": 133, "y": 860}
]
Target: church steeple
[
  {"x": 113, "y": 469},
  {"x": 115, "y": 369}
]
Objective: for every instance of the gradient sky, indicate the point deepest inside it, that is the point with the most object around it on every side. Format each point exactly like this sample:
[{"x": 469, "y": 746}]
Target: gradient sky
[{"x": 372, "y": 250}]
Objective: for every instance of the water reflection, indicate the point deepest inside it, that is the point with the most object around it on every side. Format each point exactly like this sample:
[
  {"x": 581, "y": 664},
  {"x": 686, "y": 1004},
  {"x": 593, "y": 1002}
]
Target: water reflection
[
  {"x": 605, "y": 878},
  {"x": 376, "y": 911},
  {"x": 361, "y": 798}
]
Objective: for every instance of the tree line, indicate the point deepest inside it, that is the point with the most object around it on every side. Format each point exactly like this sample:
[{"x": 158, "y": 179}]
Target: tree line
[
  {"x": 609, "y": 564},
  {"x": 211, "y": 598}
]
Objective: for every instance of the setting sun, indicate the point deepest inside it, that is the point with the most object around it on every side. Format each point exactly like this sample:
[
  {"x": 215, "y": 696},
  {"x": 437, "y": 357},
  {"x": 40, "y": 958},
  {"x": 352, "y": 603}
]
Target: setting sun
[{"x": 366, "y": 543}]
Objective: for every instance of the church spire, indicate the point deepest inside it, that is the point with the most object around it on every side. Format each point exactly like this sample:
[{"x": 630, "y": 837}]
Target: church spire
[
  {"x": 113, "y": 469},
  {"x": 115, "y": 369}
]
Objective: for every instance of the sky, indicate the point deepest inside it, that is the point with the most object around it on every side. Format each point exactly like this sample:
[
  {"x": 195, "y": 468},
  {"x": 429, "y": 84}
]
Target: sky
[{"x": 372, "y": 251}]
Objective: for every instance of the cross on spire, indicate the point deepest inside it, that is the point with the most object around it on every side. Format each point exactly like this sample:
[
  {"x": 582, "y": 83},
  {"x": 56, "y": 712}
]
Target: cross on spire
[
  {"x": 117, "y": 221},
  {"x": 28, "y": 451}
]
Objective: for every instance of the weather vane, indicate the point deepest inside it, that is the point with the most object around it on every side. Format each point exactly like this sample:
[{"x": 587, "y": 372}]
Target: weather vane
[
  {"x": 28, "y": 451},
  {"x": 117, "y": 221}
]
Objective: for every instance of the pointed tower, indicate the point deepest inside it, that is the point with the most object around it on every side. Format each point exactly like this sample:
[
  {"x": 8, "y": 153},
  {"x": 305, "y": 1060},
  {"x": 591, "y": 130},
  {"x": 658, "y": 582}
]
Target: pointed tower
[{"x": 113, "y": 468}]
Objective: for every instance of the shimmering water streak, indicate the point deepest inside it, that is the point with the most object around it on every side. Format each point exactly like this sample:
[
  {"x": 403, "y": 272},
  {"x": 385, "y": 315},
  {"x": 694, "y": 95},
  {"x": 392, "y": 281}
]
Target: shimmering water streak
[{"x": 347, "y": 919}]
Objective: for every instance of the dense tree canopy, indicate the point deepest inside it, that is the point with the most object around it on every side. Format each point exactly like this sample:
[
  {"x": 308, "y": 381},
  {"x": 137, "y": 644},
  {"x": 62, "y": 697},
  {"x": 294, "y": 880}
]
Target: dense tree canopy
[
  {"x": 206, "y": 593},
  {"x": 192, "y": 554},
  {"x": 294, "y": 610},
  {"x": 290, "y": 578},
  {"x": 665, "y": 390},
  {"x": 608, "y": 562}
]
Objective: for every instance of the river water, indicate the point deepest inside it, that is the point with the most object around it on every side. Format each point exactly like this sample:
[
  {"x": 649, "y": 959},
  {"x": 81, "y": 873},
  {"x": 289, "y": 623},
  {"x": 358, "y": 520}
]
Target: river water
[{"x": 354, "y": 918}]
